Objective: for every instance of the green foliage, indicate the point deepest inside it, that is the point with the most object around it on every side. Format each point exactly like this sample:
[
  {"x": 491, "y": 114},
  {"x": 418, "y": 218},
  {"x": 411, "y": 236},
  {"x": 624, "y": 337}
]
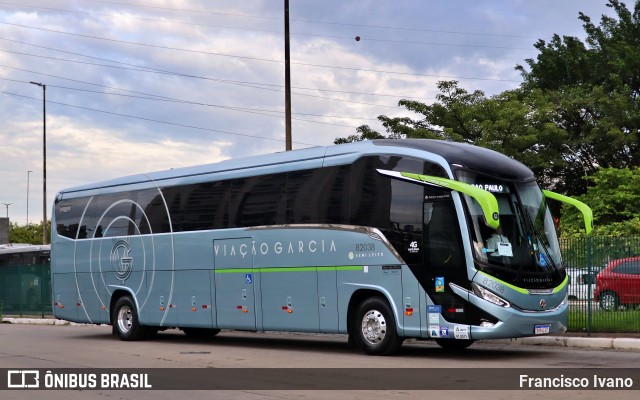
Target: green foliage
[
  {"x": 577, "y": 112},
  {"x": 31, "y": 233},
  {"x": 365, "y": 133},
  {"x": 614, "y": 197}
]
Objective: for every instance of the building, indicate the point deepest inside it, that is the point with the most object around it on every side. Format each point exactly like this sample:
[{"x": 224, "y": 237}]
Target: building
[{"x": 4, "y": 231}]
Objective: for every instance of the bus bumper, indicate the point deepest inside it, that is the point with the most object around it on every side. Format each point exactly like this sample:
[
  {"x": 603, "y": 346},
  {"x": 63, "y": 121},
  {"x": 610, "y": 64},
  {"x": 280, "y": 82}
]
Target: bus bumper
[{"x": 515, "y": 323}]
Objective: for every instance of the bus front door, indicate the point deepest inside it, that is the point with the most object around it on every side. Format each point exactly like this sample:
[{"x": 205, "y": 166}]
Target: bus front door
[{"x": 444, "y": 261}]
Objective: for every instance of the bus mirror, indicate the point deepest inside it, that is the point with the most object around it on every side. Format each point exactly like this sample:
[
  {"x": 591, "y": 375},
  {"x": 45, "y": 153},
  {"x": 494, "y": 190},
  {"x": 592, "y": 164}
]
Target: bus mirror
[
  {"x": 486, "y": 199},
  {"x": 587, "y": 214}
]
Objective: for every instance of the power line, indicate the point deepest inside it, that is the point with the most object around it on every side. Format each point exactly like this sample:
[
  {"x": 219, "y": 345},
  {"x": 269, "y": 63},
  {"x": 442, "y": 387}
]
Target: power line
[
  {"x": 186, "y": 10},
  {"x": 350, "y": 38},
  {"x": 155, "y": 120},
  {"x": 95, "y": 84},
  {"x": 140, "y": 68},
  {"x": 257, "y": 58},
  {"x": 408, "y": 29},
  {"x": 263, "y": 112}
]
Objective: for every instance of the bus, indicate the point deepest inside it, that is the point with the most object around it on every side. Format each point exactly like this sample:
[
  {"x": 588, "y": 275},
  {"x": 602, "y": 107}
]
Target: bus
[
  {"x": 24, "y": 278},
  {"x": 382, "y": 240}
]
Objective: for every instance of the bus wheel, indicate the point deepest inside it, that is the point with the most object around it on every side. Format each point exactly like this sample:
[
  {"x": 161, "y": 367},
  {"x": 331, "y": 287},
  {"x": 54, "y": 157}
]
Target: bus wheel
[
  {"x": 125, "y": 320},
  {"x": 374, "y": 328},
  {"x": 454, "y": 344}
]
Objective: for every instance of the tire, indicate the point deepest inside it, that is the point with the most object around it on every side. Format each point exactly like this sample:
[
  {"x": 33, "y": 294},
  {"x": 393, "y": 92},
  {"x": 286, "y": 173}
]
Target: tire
[
  {"x": 454, "y": 344},
  {"x": 373, "y": 328},
  {"x": 125, "y": 320},
  {"x": 200, "y": 333},
  {"x": 609, "y": 301}
]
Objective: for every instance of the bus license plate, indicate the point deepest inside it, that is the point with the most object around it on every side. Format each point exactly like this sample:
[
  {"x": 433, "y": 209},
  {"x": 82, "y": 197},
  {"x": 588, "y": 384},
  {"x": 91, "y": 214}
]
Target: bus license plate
[{"x": 542, "y": 329}]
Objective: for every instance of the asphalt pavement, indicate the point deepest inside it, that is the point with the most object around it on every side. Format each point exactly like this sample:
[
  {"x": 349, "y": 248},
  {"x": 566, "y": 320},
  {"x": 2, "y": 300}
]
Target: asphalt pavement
[{"x": 568, "y": 340}]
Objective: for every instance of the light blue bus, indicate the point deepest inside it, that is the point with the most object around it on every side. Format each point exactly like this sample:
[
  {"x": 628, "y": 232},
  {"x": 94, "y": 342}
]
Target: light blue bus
[{"x": 382, "y": 240}]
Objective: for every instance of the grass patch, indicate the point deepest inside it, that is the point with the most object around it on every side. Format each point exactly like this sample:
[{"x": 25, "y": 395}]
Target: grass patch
[{"x": 603, "y": 321}]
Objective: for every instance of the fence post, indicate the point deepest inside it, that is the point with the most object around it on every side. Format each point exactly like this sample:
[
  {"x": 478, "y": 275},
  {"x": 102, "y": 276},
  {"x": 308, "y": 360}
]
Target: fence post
[{"x": 589, "y": 272}]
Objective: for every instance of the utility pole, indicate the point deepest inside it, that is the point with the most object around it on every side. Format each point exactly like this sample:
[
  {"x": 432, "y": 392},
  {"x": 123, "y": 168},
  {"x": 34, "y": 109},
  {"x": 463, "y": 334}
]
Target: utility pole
[
  {"x": 7, "y": 205},
  {"x": 287, "y": 78},
  {"x": 28, "y": 176},
  {"x": 44, "y": 160}
]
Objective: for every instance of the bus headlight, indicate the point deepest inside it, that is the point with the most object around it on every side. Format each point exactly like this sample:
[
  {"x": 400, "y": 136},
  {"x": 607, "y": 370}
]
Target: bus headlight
[{"x": 489, "y": 296}]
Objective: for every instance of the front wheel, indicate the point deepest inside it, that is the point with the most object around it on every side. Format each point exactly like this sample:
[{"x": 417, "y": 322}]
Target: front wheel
[
  {"x": 125, "y": 320},
  {"x": 373, "y": 328}
]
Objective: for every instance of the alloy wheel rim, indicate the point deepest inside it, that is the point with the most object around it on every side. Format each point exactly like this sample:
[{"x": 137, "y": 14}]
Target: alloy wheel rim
[
  {"x": 374, "y": 327},
  {"x": 125, "y": 319}
]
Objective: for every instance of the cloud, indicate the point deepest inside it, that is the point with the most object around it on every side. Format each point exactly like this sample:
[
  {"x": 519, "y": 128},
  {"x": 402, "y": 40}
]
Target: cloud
[{"x": 231, "y": 62}]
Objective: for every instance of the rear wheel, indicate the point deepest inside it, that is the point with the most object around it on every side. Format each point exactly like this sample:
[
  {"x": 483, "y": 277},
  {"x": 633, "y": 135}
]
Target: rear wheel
[
  {"x": 125, "y": 320},
  {"x": 609, "y": 301},
  {"x": 373, "y": 328}
]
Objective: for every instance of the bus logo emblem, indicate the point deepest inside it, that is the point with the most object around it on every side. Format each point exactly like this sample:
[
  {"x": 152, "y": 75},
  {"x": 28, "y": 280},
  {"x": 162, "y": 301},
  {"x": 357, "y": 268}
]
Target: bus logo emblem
[{"x": 121, "y": 261}]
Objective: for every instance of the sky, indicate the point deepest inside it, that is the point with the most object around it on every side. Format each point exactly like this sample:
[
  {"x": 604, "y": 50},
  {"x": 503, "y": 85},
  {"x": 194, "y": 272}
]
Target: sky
[{"x": 135, "y": 86}]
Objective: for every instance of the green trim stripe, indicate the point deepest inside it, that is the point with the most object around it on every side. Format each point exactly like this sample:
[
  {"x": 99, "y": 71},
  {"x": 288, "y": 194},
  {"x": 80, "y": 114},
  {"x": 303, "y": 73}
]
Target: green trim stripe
[
  {"x": 287, "y": 269},
  {"x": 525, "y": 291}
]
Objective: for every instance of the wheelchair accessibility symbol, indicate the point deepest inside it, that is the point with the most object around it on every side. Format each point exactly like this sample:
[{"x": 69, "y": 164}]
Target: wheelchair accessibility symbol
[{"x": 248, "y": 278}]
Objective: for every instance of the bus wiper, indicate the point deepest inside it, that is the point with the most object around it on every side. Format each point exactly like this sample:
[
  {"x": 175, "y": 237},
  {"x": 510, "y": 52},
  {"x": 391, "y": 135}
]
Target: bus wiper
[{"x": 537, "y": 240}]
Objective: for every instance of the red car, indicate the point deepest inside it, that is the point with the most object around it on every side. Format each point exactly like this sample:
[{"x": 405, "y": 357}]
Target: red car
[{"x": 618, "y": 284}]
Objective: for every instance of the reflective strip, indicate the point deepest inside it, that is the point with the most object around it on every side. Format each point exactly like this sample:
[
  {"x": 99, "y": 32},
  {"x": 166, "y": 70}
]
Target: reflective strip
[
  {"x": 286, "y": 269},
  {"x": 525, "y": 291}
]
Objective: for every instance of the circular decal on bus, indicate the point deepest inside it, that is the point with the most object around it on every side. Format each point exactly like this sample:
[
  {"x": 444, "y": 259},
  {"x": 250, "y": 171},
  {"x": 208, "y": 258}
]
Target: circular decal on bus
[{"x": 121, "y": 260}]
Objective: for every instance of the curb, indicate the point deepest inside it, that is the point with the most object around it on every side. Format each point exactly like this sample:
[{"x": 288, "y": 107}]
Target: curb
[
  {"x": 38, "y": 321},
  {"x": 579, "y": 342}
]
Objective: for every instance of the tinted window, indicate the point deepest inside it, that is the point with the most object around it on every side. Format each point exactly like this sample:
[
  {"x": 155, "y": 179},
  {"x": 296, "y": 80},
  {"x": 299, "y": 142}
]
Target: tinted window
[
  {"x": 394, "y": 206},
  {"x": 258, "y": 200},
  {"x": 24, "y": 258},
  {"x": 318, "y": 196},
  {"x": 115, "y": 214},
  {"x": 67, "y": 214},
  {"x": 354, "y": 194},
  {"x": 198, "y": 206},
  {"x": 628, "y": 267},
  {"x": 152, "y": 218}
]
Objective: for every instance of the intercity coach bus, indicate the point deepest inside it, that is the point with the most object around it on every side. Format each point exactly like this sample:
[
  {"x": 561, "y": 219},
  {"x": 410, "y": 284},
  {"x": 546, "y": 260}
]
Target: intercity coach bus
[{"x": 381, "y": 240}]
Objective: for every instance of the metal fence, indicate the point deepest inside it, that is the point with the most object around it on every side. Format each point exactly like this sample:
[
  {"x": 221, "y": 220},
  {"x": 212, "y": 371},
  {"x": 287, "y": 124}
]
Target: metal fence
[
  {"x": 604, "y": 283},
  {"x": 25, "y": 290}
]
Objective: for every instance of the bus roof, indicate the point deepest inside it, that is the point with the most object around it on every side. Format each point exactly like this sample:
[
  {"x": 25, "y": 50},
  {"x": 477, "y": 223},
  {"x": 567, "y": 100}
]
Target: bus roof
[
  {"x": 22, "y": 248},
  {"x": 446, "y": 153}
]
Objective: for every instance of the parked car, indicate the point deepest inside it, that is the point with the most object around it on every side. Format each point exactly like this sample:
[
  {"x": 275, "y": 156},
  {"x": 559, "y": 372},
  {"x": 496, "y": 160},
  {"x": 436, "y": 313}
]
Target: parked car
[
  {"x": 618, "y": 284},
  {"x": 580, "y": 282}
]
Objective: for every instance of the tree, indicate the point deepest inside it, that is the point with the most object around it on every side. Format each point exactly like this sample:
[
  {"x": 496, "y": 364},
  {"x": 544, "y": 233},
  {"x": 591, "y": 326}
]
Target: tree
[
  {"x": 595, "y": 86},
  {"x": 576, "y": 111},
  {"x": 614, "y": 198},
  {"x": 31, "y": 233}
]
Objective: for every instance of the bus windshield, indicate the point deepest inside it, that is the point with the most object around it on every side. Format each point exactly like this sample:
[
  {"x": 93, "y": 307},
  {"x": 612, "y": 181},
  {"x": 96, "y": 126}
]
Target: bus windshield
[{"x": 524, "y": 249}]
